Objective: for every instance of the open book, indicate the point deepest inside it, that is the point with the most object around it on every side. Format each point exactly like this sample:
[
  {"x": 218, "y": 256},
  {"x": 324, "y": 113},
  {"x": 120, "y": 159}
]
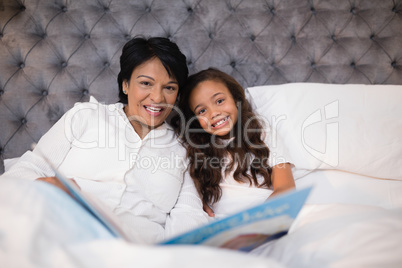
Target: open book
[
  {"x": 243, "y": 231},
  {"x": 249, "y": 228}
]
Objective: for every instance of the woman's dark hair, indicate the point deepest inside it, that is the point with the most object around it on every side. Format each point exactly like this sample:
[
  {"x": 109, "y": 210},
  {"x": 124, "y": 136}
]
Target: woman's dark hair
[
  {"x": 245, "y": 144},
  {"x": 139, "y": 50}
]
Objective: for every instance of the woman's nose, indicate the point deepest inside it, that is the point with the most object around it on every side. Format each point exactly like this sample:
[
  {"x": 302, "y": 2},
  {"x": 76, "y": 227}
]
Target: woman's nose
[{"x": 157, "y": 95}]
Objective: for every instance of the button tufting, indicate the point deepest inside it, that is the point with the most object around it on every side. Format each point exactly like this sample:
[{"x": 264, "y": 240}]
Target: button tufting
[
  {"x": 394, "y": 9},
  {"x": 127, "y": 37},
  {"x": 21, "y": 65},
  {"x": 211, "y": 36},
  {"x": 63, "y": 64},
  {"x": 22, "y": 8},
  {"x": 64, "y": 9},
  {"x": 190, "y": 10},
  {"x": 252, "y": 37},
  {"x": 106, "y": 9},
  {"x": 353, "y": 65},
  {"x": 393, "y": 64},
  {"x": 44, "y": 35},
  {"x": 45, "y": 92},
  {"x": 353, "y": 10},
  {"x": 189, "y": 63},
  {"x": 106, "y": 64},
  {"x": 313, "y": 65},
  {"x": 372, "y": 36},
  {"x": 1, "y": 35},
  {"x": 312, "y": 9},
  {"x": 1, "y": 92},
  {"x": 85, "y": 92},
  {"x": 87, "y": 36},
  {"x": 1, "y": 150},
  {"x": 23, "y": 121},
  {"x": 233, "y": 64},
  {"x": 333, "y": 37},
  {"x": 272, "y": 10},
  {"x": 148, "y": 9},
  {"x": 293, "y": 38}
]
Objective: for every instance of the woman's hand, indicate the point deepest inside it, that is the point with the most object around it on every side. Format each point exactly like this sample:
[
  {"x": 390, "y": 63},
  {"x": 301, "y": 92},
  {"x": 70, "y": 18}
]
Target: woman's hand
[{"x": 54, "y": 181}]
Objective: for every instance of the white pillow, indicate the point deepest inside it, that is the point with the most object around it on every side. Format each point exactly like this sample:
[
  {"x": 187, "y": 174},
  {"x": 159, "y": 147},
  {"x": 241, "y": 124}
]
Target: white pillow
[{"x": 356, "y": 128}]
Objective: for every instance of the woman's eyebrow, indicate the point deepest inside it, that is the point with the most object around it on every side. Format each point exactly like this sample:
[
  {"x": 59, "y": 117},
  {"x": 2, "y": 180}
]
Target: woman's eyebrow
[
  {"x": 146, "y": 76},
  {"x": 149, "y": 77}
]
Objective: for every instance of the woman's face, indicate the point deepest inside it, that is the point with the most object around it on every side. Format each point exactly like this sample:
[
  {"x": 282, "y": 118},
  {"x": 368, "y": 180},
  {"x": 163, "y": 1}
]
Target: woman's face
[
  {"x": 151, "y": 96},
  {"x": 214, "y": 106}
]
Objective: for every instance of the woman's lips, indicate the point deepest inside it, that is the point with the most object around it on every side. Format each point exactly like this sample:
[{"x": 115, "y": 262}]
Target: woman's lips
[{"x": 154, "y": 110}]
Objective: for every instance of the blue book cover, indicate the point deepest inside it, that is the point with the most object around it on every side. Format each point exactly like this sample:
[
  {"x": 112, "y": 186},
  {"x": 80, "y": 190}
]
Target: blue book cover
[{"x": 249, "y": 228}]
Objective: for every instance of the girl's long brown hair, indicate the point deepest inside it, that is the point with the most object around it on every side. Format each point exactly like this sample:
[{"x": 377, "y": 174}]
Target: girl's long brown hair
[{"x": 203, "y": 156}]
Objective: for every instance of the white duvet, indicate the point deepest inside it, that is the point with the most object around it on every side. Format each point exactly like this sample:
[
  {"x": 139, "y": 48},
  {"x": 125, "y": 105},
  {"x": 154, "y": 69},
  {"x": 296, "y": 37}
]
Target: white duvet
[{"x": 332, "y": 230}]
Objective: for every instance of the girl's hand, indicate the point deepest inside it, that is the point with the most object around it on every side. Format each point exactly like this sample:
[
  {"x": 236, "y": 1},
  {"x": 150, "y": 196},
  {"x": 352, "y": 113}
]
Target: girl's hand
[
  {"x": 282, "y": 179},
  {"x": 208, "y": 210},
  {"x": 54, "y": 181}
]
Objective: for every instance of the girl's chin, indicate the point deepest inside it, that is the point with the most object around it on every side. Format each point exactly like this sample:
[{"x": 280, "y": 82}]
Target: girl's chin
[{"x": 222, "y": 133}]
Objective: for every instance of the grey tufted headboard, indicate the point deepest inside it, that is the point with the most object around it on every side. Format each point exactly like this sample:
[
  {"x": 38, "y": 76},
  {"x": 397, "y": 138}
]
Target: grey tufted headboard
[{"x": 54, "y": 53}]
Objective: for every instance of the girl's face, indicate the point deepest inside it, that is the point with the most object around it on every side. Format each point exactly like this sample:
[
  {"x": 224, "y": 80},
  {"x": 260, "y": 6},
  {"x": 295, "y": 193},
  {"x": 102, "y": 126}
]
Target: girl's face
[
  {"x": 214, "y": 106},
  {"x": 151, "y": 96}
]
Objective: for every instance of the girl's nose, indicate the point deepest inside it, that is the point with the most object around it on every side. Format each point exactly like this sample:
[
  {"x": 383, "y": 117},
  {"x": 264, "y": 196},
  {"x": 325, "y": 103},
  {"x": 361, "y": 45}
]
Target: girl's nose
[{"x": 215, "y": 113}]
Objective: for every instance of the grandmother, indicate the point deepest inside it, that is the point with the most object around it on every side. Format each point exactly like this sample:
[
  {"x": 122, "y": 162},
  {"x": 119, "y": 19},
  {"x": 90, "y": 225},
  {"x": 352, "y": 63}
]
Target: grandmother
[{"x": 125, "y": 154}]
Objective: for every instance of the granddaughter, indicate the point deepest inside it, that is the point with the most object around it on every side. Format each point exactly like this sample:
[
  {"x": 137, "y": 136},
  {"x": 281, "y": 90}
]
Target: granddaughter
[{"x": 228, "y": 158}]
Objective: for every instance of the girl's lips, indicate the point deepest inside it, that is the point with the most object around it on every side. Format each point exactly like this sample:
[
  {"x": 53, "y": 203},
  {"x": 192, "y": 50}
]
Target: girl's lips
[
  {"x": 153, "y": 110},
  {"x": 221, "y": 123}
]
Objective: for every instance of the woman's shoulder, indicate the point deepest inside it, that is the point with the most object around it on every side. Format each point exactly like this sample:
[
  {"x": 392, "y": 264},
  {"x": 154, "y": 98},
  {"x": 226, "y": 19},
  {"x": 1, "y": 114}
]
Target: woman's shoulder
[{"x": 93, "y": 107}]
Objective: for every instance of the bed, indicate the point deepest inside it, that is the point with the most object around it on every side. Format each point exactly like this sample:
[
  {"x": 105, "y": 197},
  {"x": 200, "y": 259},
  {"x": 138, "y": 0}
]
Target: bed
[{"x": 326, "y": 75}]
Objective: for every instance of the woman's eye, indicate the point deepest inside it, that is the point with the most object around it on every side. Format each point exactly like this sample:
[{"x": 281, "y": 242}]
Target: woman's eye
[
  {"x": 170, "y": 88},
  {"x": 145, "y": 83}
]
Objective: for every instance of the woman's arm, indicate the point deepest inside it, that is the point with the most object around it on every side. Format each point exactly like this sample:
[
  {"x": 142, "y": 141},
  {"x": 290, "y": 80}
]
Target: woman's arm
[
  {"x": 282, "y": 178},
  {"x": 187, "y": 213}
]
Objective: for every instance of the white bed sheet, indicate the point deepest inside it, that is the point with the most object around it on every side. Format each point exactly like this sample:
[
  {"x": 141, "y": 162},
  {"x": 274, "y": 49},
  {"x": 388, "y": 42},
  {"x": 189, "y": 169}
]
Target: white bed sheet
[
  {"x": 349, "y": 221},
  {"x": 336, "y": 186}
]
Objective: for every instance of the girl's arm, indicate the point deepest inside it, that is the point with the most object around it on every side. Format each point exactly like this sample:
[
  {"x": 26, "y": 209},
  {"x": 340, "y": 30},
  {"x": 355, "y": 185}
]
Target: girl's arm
[{"x": 282, "y": 178}]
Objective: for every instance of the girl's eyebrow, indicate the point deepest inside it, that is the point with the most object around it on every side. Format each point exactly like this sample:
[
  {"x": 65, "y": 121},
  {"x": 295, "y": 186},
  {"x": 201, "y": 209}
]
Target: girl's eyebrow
[
  {"x": 216, "y": 94},
  {"x": 149, "y": 77},
  {"x": 213, "y": 96}
]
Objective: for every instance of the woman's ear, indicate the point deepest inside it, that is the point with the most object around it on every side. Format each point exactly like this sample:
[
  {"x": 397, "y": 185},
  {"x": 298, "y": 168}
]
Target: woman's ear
[{"x": 125, "y": 86}]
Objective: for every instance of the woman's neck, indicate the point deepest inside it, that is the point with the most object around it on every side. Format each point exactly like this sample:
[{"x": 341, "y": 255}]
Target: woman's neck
[{"x": 140, "y": 128}]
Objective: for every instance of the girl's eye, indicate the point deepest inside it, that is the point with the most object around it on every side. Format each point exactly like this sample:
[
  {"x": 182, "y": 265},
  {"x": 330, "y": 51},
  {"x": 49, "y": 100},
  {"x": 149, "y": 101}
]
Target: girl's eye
[
  {"x": 219, "y": 101},
  {"x": 201, "y": 111}
]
